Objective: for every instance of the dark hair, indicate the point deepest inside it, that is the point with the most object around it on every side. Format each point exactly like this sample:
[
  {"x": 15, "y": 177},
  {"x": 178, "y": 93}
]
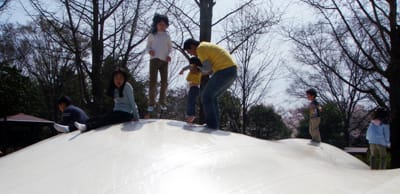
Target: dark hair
[
  {"x": 381, "y": 114},
  {"x": 112, "y": 87},
  {"x": 196, "y": 61},
  {"x": 157, "y": 19},
  {"x": 64, "y": 99},
  {"x": 189, "y": 42},
  {"x": 312, "y": 92}
]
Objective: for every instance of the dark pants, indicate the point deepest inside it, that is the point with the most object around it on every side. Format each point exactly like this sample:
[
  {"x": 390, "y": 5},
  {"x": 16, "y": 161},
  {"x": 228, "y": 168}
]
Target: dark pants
[
  {"x": 378, "y": 156},
  {"x": 216, "y": 86},
  {"x": 191, "y": 102},
  {"x": 109, "y": 119}
]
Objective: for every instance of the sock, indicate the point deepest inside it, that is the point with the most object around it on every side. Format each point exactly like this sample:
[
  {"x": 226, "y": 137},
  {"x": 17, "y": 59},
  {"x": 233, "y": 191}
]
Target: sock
[
  {"x": 81, "y": 127},
  {"x": 61, "y": 128}
]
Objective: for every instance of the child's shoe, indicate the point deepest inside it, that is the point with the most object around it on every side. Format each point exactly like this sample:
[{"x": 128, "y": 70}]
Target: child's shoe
[{"x": 314, "y": 142}]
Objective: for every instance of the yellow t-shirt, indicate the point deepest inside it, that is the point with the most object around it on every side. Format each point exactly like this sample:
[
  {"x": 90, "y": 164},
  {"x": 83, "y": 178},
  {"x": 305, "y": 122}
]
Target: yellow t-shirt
[
  {"x": 219, "y": 57},
  {"x": 194, "y": 78}
]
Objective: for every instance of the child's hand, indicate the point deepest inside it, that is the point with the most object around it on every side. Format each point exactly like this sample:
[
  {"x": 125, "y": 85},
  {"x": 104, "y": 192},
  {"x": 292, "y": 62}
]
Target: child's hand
[
  {"x": 194, "y": 69},
  {"x": 168, "y": 59},
  {"x": 208, "y": 73},
  {"x": 151, "y": 52}
]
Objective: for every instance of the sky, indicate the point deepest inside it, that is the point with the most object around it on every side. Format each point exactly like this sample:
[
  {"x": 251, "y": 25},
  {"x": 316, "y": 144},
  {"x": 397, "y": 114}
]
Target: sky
[{"x": 294, "y": 14}]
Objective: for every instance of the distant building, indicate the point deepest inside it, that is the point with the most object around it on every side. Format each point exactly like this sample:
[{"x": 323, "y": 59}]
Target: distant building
[{"x": 21, "y": 130}]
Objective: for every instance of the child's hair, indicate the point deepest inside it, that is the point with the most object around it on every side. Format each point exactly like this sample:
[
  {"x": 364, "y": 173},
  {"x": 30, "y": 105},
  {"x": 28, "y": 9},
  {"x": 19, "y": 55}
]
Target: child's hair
[
  {"x": 196, "y": 61},
  {"x": 157, "y": 19},
  {"x": 311, "y": 92},
  {"x": 189, "y": 42},
  {"x": 112, "y": 87},
  {"x": 64, "y": 99},
  {"x": 381, "y": 114}
]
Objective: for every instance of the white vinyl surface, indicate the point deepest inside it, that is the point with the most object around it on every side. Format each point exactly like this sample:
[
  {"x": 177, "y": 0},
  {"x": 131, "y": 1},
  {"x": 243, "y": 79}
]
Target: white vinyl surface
[{"x": 165, "y": 156}]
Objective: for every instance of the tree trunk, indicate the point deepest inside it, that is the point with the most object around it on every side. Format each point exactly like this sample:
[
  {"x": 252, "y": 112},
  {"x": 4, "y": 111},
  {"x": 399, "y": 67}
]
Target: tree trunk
[
  {"x": 395, "y": 121},
  {"x": 206, "y": 10},
  {"x": 97, "y": 86},
  {"x": 394, "y": 81},
  {"x": 347, "y": 130},
  {"x": 245, "y": 119},
  {"x": 393, "y": 72}
]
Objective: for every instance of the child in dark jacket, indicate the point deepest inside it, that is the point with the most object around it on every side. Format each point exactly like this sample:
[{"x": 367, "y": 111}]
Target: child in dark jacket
[{"x": 70, "y": 114}]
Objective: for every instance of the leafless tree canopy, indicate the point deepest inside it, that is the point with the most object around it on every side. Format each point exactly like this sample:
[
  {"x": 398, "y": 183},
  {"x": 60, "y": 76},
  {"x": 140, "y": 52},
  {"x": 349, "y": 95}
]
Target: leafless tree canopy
[
  {"x": 244, "y": 35},
  {"x": 3, "y": 4},
  {"x": 359, "y": 43},
  {"x": 96, "y": 31}
]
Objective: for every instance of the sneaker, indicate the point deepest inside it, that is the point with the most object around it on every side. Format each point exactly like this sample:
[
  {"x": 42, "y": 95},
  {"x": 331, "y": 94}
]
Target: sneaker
[
  {"x": 150, "y": 109},
  {"x": 61, "y": 128},
  {"x": 190, "y": 119},
  {"x": 80, "y": 127},
  {"x": 313, "y": 142},
  {"x": 163, "y": 107}
]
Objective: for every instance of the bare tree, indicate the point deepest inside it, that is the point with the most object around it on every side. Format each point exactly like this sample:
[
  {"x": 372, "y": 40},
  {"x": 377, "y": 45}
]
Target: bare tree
[
  {"x": 257, "y": 68},
  {"x": 330, "y": 87},
  {"x": 367, "y": 34},
  {"x": 112, "y": 30},
  {"x": 4, "y": 4},
  {"x": 44, "y": 61}
]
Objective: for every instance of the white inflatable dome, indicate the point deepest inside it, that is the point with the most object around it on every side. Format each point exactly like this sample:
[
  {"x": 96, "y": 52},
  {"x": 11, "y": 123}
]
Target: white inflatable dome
[{"x": 164, "y": 156}]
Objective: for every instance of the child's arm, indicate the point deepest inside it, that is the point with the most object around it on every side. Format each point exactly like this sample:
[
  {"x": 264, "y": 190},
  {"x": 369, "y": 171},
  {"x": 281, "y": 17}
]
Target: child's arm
[
  {"x": 206, "y": 69},
  {"x": 67, "y": 118},
  {"x": 131, "y": 98},
  {"x": 207, "y": 73},
  {"x": 149, "y": 43},
  {"x": 169, "y": 48},
  {"x": 386, "y": 133},
  {"x": 184, "y": 69}
]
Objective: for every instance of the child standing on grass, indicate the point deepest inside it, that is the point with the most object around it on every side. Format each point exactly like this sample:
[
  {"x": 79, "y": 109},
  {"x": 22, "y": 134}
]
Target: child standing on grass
[
  {"x": 194, "y": 80},
  {"x": 378, "y": 136},
  {"x": 125, "y": 108},
  {"x": 159, "y": 46},
  {"x": 315, "y": 117}
]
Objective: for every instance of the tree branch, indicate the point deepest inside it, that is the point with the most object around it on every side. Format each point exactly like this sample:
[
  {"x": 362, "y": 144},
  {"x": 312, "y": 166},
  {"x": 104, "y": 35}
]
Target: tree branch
[{"x": 232, "y": 12}]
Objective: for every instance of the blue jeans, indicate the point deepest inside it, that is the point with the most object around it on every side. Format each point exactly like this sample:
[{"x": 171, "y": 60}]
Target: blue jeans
[
  {"x": 216, "y": 86},
  {"x": 191, "y": 102}
]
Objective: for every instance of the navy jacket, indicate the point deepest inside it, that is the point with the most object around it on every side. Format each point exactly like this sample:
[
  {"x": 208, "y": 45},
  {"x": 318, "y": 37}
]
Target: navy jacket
[{"x": 72, "y": 114}]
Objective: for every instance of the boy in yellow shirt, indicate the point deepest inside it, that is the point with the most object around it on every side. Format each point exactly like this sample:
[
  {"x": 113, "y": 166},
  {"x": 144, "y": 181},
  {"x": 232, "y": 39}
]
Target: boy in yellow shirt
[{"x": 224, "y": 74}]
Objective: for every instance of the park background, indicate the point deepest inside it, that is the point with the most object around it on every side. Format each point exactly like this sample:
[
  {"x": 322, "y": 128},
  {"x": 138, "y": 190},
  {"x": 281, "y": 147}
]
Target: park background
[{"x": 347, "y": 50}]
